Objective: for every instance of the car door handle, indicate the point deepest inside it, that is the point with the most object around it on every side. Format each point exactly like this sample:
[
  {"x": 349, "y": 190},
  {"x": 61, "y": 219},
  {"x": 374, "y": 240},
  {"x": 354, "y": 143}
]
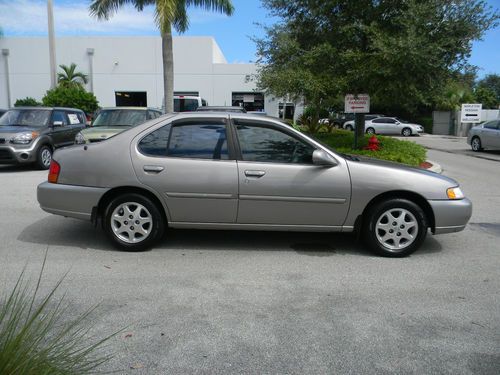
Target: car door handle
[
  {"x": 153, "y": 168},
  {"x": 257, "y": 174}
]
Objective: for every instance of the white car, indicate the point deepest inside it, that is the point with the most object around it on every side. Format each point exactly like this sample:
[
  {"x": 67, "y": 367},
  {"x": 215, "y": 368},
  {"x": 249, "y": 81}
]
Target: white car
[{"x": 388, "y": 125}]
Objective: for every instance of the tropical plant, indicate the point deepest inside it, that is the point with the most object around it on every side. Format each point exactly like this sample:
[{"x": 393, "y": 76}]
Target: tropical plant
[
  {"x": 27, "y": 102},
  {"x": 36, "y": 338},
  {"x": 73, "y": 96},
  {"x": 168, "y": 14},
  {"x": 69, "y": 76}
]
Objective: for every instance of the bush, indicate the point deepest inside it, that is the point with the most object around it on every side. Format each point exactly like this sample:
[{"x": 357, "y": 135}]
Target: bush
[
  {"x": 392, "y": 149},
  {"x": 27, "y": 102},
  {"x": 73, "y": 96},
  {"x": 36, "y": 339}
]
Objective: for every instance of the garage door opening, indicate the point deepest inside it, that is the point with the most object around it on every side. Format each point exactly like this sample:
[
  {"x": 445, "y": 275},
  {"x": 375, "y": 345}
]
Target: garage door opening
[
  {"x": 131, "y": 99},
  {"x": 251, "y": 101}
]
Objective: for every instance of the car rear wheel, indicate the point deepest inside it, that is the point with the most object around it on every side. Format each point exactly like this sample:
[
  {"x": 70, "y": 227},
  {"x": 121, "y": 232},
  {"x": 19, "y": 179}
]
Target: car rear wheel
[
  {"x": 475, "y": 144},
  {"x": 370, "y": 131},
  {"x": 395, "y": 228},
  {"x": 406, "y": 132},
  {"x": 349, "y": 127},
  {"x": 43, "y": 157},
  {"x": 133, "y": 222}
]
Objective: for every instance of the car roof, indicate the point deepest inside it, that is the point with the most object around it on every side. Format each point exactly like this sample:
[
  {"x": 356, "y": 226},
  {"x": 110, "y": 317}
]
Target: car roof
[
  {"x": 220, "y": 108},
  {"x": 47, "y": 108},
  {"x": 130, "y": 108}
]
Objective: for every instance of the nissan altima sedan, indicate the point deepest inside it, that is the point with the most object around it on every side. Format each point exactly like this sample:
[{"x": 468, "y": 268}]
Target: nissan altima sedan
[
  {"x": 245, "y": 172},
  {"x": 486, "y": 135}
]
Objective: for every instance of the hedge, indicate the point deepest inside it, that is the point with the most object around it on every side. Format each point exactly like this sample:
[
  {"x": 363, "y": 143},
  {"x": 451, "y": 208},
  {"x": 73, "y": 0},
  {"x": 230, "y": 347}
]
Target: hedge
[{"x": 392, "y": 149}]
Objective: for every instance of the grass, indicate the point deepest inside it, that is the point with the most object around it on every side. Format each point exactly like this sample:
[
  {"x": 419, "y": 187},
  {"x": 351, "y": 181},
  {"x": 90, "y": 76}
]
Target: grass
[
  {"x": 36, "y": 339},
  {"x": 391, "y": 149}
]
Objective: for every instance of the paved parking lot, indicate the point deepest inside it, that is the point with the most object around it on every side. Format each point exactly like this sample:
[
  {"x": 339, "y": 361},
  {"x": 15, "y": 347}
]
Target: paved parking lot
[{"x": 252, "y": 302}]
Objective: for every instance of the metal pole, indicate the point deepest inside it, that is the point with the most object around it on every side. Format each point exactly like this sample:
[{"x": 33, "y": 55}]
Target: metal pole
[
  {"x": 5, "y": 52},
  {"x": 90, "y": 52},
  {"x": 52, "y": 44}
]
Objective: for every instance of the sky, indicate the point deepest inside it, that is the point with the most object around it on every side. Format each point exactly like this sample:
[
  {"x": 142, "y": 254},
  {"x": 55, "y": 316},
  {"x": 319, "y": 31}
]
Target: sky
[{"x": 233, "y": 34}]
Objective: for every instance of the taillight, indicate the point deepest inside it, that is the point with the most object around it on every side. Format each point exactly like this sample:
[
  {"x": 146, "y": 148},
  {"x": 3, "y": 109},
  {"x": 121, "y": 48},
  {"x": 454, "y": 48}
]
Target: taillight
[{"x": 54, "y": 170}]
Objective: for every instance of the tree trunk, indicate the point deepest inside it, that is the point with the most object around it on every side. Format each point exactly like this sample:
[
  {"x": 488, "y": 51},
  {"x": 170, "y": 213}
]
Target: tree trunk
[{"x": 168, "y": 69}]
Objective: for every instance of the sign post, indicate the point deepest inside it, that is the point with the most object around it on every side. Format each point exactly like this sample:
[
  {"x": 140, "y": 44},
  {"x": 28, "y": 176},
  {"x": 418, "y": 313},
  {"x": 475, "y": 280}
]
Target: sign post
[{"x": 359, "y": 105}]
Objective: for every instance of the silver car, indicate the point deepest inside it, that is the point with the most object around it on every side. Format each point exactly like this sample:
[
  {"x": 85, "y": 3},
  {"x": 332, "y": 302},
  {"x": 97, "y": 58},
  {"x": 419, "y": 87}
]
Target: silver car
[
  {"x": 388, "y": 125},
  {"x": 245, "y": 172},
  {"x": 486, "y": 135}
]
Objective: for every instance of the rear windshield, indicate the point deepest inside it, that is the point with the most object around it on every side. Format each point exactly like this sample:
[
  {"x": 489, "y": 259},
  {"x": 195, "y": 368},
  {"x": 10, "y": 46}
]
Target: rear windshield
[
  {"x": 25, "y": 117},
  {"x": 185, "y": 105},
  {"x": 120, "y": 117}
]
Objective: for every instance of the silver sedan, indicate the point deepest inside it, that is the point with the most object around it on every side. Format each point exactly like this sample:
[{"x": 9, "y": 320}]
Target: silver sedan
[
  {"x": 245, "y": 172},
  {"x": 486, "y": 135}
]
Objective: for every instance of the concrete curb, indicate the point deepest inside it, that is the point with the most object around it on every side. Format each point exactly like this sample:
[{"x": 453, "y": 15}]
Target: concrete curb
[{"x": 435, "y": 167}]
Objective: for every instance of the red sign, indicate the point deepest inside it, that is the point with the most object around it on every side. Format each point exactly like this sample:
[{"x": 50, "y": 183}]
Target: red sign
[{"x": 357, "y": 103}]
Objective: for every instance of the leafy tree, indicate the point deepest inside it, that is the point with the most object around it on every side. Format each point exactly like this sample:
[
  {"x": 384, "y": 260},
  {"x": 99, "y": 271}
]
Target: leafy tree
[
  {"x": 487, "y": 97},
  {"x": 491, "y": 81},
  {"x": 73, "y": 96},
  {"x": 168, "y": 14},
  {"x": 401, "y": 52},
  {"x": 69, "y": 76},
  {"x": 27, "y": 102}
]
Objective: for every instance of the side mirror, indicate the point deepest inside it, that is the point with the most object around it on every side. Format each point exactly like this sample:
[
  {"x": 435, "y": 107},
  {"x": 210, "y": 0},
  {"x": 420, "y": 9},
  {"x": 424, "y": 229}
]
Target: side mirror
[
  {"x": 56, "y": 124},
  {"x": 398, "y": 123},
  {"x": 320, "y": 157}
]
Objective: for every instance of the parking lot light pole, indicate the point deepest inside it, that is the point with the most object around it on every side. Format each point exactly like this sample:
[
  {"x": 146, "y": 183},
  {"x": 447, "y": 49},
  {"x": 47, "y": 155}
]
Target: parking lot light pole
[
  {"x": 5, "y": 53},
  {"x": 90, "y": 53},
  {"x": 52, "y": 42}
]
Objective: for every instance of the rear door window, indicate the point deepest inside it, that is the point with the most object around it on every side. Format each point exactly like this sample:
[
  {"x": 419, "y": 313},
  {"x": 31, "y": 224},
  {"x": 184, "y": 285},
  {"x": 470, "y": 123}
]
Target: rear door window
[
  {"x": 155, "y": 143},
  {"x": 199, "y": 139},
  {"x": 60, "y": 116}
]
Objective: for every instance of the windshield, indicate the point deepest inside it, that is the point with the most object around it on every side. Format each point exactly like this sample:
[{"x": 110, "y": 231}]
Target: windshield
[
  {"x": 120, "y": 117},
  {"x": 185, "y": 105},
  {"x": 402, "y": 121},
  {"x": 25, "y": 117}
]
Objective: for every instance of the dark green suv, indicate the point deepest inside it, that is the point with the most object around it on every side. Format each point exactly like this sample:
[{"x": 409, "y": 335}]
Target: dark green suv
[{"x": 31, "y": 134}]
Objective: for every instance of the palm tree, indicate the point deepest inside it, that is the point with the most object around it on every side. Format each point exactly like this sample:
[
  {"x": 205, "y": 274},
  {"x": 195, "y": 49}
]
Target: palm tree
[
  {"x": 168, "y": 14},
  {"x": 69, "y": 76}
]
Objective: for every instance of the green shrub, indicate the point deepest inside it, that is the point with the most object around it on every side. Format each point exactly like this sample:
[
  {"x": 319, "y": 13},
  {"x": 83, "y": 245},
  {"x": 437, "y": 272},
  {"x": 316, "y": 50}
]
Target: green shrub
[
  {"x": 27, "y": 102},
  {"x": 36, "y": 339},
  {"x": 392, "y": 149},
  {"x": 73, "y": 96}
]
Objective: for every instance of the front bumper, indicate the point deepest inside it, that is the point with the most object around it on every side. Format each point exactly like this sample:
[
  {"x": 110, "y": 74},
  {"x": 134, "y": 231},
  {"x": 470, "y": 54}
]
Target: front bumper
[
  {"x": 69, "y": 200},
  {"x": 21, "y": 154},
  {"x": 451, "y": 215}
]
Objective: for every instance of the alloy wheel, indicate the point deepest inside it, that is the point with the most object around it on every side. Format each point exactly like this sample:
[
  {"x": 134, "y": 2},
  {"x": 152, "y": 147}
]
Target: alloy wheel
[
  {"x": 476, "y": 144},
  {"x": 406, "y": 132},
  {"x": 46, "y": 156},
  {"x": 131, "y": 222},
  {"x": 396, "y": 229}
]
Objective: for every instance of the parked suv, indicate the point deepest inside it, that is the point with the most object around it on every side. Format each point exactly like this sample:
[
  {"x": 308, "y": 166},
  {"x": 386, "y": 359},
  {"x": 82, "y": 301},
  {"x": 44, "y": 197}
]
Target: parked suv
[{"x": 31, "y": 134}]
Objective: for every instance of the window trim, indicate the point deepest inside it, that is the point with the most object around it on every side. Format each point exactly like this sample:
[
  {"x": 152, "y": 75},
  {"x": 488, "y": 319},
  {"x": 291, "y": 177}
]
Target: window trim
[{"x": 273, "y": 126}]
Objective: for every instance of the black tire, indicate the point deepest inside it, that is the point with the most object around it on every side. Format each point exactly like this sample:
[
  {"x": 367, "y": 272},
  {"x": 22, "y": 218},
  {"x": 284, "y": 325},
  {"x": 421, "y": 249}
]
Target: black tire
[
  {"x": 406, "y": 132},
  {"x": 370, "y": 130},
  {"x": 349, "y": 127},
  {"x": 43, "y": 157},
  {"x": 371, "y": 233},
  {"x": 475, "y": 144},
  {"x": 155, "y": 229}
]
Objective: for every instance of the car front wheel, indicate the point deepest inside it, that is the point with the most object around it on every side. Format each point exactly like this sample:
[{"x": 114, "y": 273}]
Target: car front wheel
[
  {"x": 370, "y": 131},
  {"x": 395, "y": 228},
  {"x": 349, "y": 127},
  {"x": 406, "y": 132},
  {"x": 133, "y": 222},
  {"x": 476, "y": 144},
  {"x": 43, "y": 157}
]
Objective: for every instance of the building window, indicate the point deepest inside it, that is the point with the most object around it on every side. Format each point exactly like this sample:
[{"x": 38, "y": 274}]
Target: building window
[{"x": 251, "y": 101}]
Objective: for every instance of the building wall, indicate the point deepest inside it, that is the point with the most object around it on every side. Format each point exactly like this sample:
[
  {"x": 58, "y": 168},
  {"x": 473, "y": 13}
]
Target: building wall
[{"x": 127, "y": 64}]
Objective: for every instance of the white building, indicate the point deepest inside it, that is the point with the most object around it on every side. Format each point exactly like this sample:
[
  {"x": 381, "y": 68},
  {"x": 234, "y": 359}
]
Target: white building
[{"x": 128, "y": 71}]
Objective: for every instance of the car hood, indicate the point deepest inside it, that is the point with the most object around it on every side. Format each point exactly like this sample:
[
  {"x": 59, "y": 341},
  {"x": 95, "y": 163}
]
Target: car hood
[
  {"x": 103, "y": 132},
  {"x": 10, "y": 131}
]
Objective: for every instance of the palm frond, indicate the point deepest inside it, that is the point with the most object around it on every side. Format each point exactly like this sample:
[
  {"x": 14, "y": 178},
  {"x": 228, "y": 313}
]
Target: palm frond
[{"x": 220, "y": 6}]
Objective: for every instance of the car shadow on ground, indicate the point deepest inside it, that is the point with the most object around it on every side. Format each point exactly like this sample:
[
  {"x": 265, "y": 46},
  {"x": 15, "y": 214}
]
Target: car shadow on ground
[
  {"x": 60, "y": 231},
  {"x": 18, "y": 168}
]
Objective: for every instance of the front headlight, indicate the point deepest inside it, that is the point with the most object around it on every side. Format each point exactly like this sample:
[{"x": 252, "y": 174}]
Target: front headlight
[
  {"x": 79, "y": 139},
  {"x": 455, "y": 193},
  {"x": 23, "y": 138}
]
